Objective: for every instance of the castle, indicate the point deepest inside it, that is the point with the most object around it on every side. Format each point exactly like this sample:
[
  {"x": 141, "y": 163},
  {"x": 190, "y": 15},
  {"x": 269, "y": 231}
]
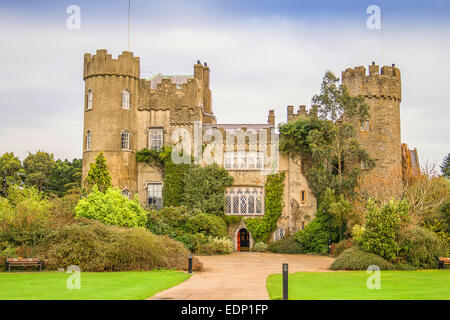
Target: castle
[{"x": 125, "y": 113}]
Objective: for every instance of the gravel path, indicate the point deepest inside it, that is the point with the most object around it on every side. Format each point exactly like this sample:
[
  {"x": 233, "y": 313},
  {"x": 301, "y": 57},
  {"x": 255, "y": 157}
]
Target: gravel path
[{"x": 241, "y": 275}]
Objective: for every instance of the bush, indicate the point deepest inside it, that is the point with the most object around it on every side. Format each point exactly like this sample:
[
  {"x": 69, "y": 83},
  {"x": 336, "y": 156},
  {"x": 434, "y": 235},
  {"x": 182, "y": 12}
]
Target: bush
[
  {"x": 168, "y": 217},
  {"x": 420, "y": 247},
  {"x": 314, "y": 238},
  {"x": 111, "y": 208},
  {"x": 94, "y": 246},
  {"x": 285, "y": 245},
  {"x": 259, "y": 247},
  {"x": 207, "y": 224},
  {"x": 341, "y": 246},
  {"x": 356, "y": 258},
  {"x": 25, "y": 209},
  {"x": 216, "y": 246},
  {"x": 204, "y": 188},
  {"x": 381, "y": 228}
]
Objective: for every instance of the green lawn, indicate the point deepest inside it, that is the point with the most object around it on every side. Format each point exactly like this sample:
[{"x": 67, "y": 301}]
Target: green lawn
[
  {"x": 94, "y": 285},
  {"x": 395, "y": 285}
]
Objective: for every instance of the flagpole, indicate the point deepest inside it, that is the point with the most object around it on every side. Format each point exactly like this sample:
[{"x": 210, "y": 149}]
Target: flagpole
[
  {"x": 129, "y": 9},
  {"x": 382, "y": 38}
]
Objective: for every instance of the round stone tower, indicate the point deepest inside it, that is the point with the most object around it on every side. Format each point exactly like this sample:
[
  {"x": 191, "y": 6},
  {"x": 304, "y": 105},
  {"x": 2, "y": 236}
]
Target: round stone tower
[
  {"x": 380, "y": 136},
  {"x": 110, "y": 114}
]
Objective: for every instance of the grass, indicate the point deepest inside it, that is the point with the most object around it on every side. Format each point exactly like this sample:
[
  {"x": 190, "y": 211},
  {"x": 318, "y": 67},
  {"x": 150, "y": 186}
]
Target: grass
[
  {"x": 351, "y": 285},
  {"x": 94, "y": 285}
]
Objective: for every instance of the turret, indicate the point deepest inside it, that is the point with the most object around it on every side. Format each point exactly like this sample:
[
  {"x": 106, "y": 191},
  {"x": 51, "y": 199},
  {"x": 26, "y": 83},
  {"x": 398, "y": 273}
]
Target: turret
[
  {"x": 380, "y": 135},
  {"x": 111, "y": 91}
]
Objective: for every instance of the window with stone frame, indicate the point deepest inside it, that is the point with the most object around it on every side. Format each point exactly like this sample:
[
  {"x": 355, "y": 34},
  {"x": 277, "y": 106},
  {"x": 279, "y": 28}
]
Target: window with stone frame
[
  {"x": 154, "y": 195},
  {"x": 126, "y": 99},
  {"x": 88, "y": 140},
  {"x": 89, "y": 100},
  {"x": 245, "y": 201},
  {"x": 126, "y": 193},
  {"x": 365, "y": 125},
  {"x": 155, "y": 138},
  {"x": 242, "y": 160},
  {"x": 125, "y": 140}
]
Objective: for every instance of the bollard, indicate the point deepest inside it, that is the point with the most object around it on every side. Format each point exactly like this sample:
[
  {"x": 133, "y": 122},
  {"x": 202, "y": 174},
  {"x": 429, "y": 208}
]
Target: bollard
[
  {"x": 190, "y": 263},
  {"x": 285, "y": 281}
]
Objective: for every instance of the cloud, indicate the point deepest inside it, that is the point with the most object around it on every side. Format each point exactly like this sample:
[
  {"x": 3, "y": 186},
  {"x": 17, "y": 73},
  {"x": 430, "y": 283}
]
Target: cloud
[{"x": 256, "y": 64}]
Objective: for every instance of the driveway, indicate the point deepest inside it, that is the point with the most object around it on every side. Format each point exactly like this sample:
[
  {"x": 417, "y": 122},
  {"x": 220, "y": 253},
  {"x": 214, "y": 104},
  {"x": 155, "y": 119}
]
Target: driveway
[{"x": 240, "y": 276}]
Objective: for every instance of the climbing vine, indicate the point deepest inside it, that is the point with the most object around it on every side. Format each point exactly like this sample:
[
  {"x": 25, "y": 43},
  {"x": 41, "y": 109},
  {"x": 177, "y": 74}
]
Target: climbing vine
[
  {"x": 189, "y": 185},
  {"x": 260, "y": 228}
]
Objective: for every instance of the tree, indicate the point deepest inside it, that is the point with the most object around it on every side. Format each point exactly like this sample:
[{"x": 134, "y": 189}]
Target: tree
[
  {"x": 66, "y": 176},
  {"x": 98, "y": 174},
  {"x": 204, "y": 188},
  {"x": 339, "y": 209},
  {"x": 326, "y": 144},
  {"x": 335, "y": 101},
  {"x": 11, "y": 172},
  {"x": 445, "y": 167},
  {"x": 39, "y": 168}
]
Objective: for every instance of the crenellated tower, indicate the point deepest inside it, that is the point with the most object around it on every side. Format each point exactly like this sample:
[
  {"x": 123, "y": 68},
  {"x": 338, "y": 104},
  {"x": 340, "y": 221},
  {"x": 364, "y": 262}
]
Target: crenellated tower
[
  {"x": 110, "y": 115},
  {"x": 380, "y": 135}
]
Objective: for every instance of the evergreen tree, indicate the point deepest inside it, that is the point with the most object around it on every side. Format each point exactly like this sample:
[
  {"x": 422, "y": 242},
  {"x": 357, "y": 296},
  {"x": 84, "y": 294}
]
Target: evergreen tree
[
  {"x": 39, "y": 168},
  {"x": 11, "y": 172},
  {"x": 445, "y": 167},
  {"x": 98, "y": 174},
  {"x": 326, "y": 145}
]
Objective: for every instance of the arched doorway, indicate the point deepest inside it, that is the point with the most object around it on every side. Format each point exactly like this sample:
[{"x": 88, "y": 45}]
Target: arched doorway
[{"x": 243, "y": 240}]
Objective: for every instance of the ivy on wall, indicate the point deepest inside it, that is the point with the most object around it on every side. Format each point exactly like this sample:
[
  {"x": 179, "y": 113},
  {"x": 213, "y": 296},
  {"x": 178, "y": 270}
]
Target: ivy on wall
[
  {"x": 173, "y": 189},
  {"x": 190, "y": 185},
  {"x": 260, "y": 228}
]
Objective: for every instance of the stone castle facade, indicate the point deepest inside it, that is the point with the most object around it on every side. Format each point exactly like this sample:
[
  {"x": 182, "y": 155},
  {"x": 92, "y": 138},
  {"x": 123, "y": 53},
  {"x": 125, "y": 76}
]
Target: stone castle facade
[{"x": 125, "y": 113}]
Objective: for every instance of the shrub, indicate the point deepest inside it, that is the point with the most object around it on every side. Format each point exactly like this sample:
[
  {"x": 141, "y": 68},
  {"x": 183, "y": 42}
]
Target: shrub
[
  {"x": 204, "y": 188},
  {"x": 207, "y": 224},
  {"x": 216, "y": 246},
  {"x": 259, "y": 247},
  {"x": 173, "y": 217},
  {"x": 315, "y": 237},
  {"x": 112, "y": 208},
  {"x": 285, "y": 245},
  {"x": 356, "y": 258},
  {"x": 26, "y": 209},
  {"x": 381, "y": 228},
  {"x": 341, "y": 246},
  {"x": 94, "y": 246},
  {"x": 420, "y": 247}
]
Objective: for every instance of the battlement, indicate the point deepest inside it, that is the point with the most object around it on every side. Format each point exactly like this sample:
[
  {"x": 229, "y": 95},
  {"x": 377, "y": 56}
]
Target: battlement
[
  {"x": 301, "y": 112},
  {"x": 374, "y": 84},
  {"x": 102, "y": 64}
]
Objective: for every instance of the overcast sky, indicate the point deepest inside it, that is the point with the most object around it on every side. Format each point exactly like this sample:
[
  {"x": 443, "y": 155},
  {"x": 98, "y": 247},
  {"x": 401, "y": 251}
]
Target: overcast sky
[{"x": 263, "y": 54}]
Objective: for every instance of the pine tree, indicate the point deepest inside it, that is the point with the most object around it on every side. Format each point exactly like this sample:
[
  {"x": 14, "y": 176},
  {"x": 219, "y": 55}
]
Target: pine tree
[
  {"x": 98, "y": 174},
  {"x": 445, "y": 167}
]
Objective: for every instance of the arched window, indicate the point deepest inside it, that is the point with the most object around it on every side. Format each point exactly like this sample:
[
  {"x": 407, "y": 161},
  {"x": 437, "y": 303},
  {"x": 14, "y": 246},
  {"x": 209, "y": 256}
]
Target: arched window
[
  {"x": 89, "y": 100},
  {"x": 88, "y": 140},
  {"x": 244, "y": 201},
  {"x": 125, "y": 140},
  {"x": 227, "y": 204},
  {"x": 126, "y": 99},
  {"x": 126, "y": 193}
]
